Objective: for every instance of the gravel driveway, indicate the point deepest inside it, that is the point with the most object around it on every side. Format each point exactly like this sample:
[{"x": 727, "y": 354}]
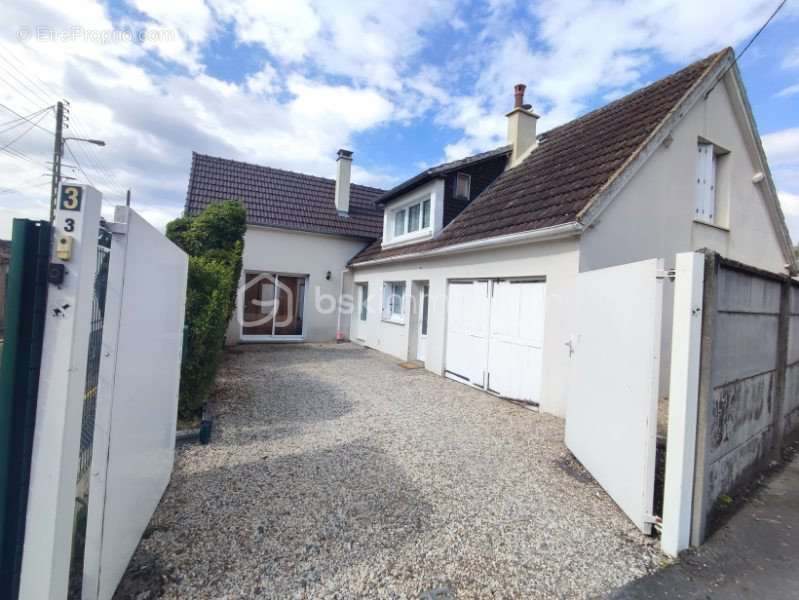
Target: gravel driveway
[{"x": 335, "y": 473}]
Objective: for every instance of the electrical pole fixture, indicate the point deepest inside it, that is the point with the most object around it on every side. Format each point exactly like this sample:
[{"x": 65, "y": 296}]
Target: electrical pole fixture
[{"x": 58, "y": 152}]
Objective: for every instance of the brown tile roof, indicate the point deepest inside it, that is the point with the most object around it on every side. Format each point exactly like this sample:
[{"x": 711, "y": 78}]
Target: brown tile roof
[
  {"x": 570, "y": 165},
  {"x": 441, "y": 170},
  {"x": 277, "y": 198}
]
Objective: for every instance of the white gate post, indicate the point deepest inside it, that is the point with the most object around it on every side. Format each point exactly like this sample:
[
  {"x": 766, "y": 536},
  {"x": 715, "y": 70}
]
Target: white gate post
[
  {"x": 56, "y": 443},
  {"x": 686, "y": 346}
]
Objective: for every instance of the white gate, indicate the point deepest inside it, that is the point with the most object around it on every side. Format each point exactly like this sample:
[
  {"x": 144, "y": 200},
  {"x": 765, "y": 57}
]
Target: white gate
[
  {"x": 134, "y": 436},
  {"x": 611, "y": 419}
]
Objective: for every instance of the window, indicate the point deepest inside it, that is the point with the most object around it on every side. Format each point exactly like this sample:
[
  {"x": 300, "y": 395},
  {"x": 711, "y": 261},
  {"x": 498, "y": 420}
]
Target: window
[
  {"x": 710, "y": 164},
  {"x": 399, "y": 222},
  {"x": 411, "y": 219},
  {"x": 364, "y": 300},
  {"x": 393, "y": 301},
  {"x": 462, "y": 185}
]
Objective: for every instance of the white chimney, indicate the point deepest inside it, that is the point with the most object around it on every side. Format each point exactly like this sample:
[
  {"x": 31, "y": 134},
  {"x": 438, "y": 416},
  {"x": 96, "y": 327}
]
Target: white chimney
[
  {"x": 521, "y": 127},
  {"x": 343, "y": 174}
]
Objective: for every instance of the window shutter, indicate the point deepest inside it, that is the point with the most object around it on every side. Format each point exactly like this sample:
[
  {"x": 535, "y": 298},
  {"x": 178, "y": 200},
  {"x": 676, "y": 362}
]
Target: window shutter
[{"x": 705, "y": 182}]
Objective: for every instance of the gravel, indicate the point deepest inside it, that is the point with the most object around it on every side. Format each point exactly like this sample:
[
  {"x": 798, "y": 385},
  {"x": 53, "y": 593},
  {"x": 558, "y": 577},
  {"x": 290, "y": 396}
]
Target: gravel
[{"x": 334, "y": 473}]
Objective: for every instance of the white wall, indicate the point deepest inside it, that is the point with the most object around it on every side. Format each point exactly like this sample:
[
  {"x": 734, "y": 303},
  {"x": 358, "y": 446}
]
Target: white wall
[
  {"x": 283, "y": 251},
  {"x": 653, "y": 216},
  {"x": 555, "y": 260}
]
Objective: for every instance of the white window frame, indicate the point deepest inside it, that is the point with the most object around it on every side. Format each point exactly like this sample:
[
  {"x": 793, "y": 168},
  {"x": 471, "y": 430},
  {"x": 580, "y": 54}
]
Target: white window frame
[
  {"x": 706, "y": 193},
  {"x": 394, "y": 301},
  {"x": 468, "y": 185},
  {"x": 404, "y": 210}
]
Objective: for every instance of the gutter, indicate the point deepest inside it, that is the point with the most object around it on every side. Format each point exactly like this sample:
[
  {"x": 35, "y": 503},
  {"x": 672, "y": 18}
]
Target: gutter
[{"x": 537, "y": 235}]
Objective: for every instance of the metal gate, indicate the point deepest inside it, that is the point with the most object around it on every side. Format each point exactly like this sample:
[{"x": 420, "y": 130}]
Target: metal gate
[
  {"x": 611, "y": 418},
  {"x": 89, "y": 410},
  {"x": 21, "y": 351}
]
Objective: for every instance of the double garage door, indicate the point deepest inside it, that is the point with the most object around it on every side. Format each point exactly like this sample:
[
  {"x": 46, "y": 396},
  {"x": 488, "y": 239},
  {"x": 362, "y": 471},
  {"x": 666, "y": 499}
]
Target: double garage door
[{"x": 495, "y": 335}]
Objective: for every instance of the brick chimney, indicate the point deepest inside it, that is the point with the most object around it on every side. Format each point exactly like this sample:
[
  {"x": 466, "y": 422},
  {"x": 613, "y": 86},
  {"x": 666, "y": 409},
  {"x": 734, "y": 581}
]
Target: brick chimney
[
  {"x": 343, "y": 175},
  {"x": 521, "y": 127}
]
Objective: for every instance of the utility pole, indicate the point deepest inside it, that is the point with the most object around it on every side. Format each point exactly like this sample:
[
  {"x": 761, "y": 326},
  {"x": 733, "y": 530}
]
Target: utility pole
[
  {"x": 127, "y": 198},
  {"x": 58, "y": 150}
]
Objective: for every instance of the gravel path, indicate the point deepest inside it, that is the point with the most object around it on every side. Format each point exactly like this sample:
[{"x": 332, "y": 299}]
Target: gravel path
[{"x": 334, "y": 473}]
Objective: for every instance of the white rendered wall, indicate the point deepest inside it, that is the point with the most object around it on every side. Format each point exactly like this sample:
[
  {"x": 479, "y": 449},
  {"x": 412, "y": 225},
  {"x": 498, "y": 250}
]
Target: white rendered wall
[
  {"x": 653, "y": 216},
  {"x": 282, "y": 251},
  {"x": 555, "y": 260}
]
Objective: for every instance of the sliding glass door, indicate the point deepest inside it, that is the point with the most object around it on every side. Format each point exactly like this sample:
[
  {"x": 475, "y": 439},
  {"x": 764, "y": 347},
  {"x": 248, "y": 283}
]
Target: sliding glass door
[{"x": 273, "y": 306}]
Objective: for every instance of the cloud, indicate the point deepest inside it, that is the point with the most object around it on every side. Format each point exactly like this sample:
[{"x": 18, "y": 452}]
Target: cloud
[
  {"x": 791, "y": 59},
  {"x": 322, "y": 75},
  {"x": 791, "y": 90},
  {"x": 789, "y": 203},
  {"x": 782, "y": 147}
]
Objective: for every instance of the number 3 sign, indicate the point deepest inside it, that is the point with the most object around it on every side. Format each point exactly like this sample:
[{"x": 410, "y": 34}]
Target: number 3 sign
[{"x": 71, "y": 197}]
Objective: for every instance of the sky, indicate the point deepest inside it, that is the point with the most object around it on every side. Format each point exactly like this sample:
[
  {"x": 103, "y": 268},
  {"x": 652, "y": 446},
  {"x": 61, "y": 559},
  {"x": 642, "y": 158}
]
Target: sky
[{"x": 405, "y": 85}]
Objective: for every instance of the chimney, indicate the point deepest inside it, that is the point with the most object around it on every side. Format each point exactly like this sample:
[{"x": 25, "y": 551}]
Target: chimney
[
  {"x": 343, "y": 173},
  {"x": 521, "y": 127}
]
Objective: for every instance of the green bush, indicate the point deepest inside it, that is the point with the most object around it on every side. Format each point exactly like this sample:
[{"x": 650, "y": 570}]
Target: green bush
[{"x": 214, "y": 241}]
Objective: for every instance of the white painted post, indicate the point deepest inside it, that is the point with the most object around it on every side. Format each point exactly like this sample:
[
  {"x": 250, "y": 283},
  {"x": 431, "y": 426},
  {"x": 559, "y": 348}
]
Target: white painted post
[
  {"x": 686, "y": 346},
  {"x": 56, "y": 443}
]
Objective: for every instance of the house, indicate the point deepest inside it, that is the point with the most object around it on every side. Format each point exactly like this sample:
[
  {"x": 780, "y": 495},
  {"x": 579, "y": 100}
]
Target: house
[
  {"x": 301, "y": 232},
  {"x": 473, "y": 265}
]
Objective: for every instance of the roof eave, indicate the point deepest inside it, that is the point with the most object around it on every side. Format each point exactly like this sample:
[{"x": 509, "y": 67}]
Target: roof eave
[{"x": 565, "y": 230}]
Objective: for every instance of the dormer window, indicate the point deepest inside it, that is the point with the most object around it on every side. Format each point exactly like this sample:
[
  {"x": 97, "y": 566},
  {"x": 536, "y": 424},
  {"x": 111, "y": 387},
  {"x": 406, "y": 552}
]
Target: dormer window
[
  {"x": 463, "y": 183},
  {"x": 411, "y": 219}
]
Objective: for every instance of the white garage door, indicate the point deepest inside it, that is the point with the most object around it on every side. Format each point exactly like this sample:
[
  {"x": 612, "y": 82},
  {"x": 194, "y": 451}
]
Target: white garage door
[{"x": 495, "y": 333}]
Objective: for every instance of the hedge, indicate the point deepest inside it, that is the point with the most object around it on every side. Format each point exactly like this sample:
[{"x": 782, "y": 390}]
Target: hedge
[{"x": 214, "y": 240}]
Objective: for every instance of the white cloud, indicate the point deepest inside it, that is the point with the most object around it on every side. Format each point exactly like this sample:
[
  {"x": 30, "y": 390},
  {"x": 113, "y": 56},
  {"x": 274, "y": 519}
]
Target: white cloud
[
  {"x": 789, "y": 203},
  {"x": 791, "y": 90},
  {"x": 328, "y": 71},
  {"x": 782, "y": 147},
  {"x": 579, "y": 48},
  {"x": 791, "y": 59}
]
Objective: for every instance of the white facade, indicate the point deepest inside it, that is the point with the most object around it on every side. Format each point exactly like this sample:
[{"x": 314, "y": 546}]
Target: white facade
[
  {"x": 653, "y": 215},
  {"x": 554, "y": 262},
  {"x": 300, "y": 254}
]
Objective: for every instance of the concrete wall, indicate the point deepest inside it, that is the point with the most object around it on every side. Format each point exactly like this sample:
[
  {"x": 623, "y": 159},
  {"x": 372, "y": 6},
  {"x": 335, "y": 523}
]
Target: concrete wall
[
  {"x": 790, "y": 410},
  {"x": 283, "y": 251},
  {"x": 746, "y": 402},
  {"x": 557, "y": 261}
]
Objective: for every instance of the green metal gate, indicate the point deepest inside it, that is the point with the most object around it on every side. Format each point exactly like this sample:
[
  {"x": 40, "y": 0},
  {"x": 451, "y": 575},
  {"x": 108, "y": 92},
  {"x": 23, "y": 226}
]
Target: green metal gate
[{"x": 26, "y": 300}]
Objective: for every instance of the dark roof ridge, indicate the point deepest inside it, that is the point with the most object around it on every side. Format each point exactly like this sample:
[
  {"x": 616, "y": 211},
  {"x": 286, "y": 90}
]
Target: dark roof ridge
[
  {"x": 286, "y": 171},
  {"x": 441, "y": 169}
]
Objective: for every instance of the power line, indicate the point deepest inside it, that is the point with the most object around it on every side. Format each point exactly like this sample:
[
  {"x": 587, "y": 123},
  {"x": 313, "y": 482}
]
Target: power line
[
  {"x": 14, "y": 123},
  {"x": 745, "y": 48},
  {"x": 24, "y": 118},
  {"x": 759, "y": 31},
  {"x": 21, "y": 135}
]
